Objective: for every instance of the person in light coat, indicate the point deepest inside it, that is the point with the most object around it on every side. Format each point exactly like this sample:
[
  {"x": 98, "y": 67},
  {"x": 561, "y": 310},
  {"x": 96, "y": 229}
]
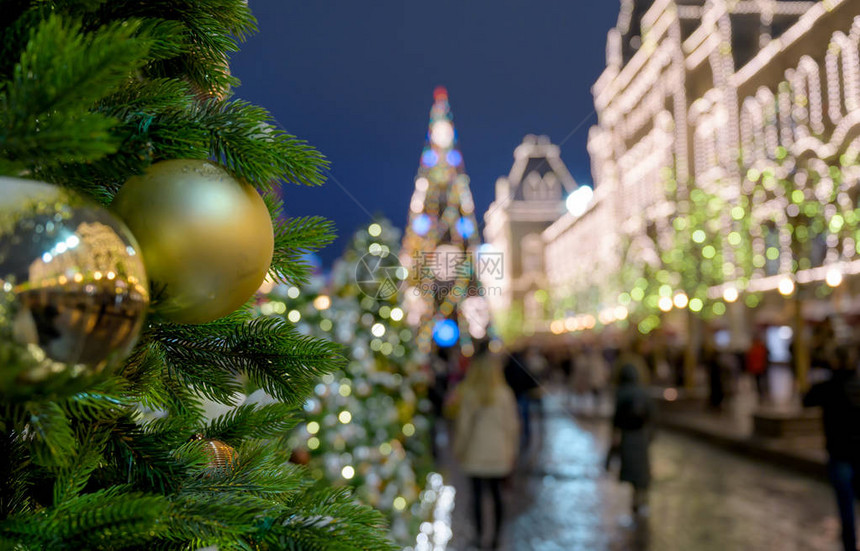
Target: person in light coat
[{"x": 486, "y": 435}]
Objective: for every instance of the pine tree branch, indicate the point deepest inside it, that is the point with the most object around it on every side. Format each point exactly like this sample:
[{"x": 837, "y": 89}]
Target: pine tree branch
[
  {"x": 269, "y": 351},
  {"x": 142, "y": 458},
  {"x": 15, "y": 474},
  {"x": 210, "y": 28},
  {"x": 106, "y": 519},
  {"x": 244, "y": 140},
  {"x": 49, "y": 434},
  {"x": 72, "y": 479},
  {"x": 44, "y": 117},
  {"x": 294, "y": 238},
  {"x": 250, "y": 421},
  {"x": 329, "y": 520}
]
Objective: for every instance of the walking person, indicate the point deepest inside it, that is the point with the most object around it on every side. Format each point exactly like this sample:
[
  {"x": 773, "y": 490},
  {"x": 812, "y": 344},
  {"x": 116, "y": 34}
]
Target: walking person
[
  {"x": 839, "y": 399},
  {"x": 523, "y": 383},
  {"x": 599, "y": 378},
  {"x": 712, "y": 358},
  {"x": 632, "y": 426},
  {"x": 436, "y": 393},
  {"x": 757, "y": 364},
  {"x": 485, "y": 437}
]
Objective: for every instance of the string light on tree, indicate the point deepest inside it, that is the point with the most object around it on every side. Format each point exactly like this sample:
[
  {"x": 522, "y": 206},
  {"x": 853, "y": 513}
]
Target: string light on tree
[
  {"x": 730, "y": 294},
  {"x": 372, "y": 416},
  {"x": 786, "y": 286},
  {"x": 833, "y": 277}
]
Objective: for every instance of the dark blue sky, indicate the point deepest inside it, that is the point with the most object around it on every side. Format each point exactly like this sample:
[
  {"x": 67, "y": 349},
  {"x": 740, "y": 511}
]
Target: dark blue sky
[{"x": 356, "y": 78}]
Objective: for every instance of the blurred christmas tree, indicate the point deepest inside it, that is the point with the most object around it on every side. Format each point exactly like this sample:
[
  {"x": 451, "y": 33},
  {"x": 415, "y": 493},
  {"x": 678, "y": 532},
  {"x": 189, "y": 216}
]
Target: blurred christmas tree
[
  {"x": 113, "y": 101},
  {"x": 367, "y": 426},
  {"x": 441, "y": 244}
]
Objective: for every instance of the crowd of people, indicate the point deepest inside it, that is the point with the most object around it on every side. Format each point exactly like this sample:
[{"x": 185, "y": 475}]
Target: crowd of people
[{"x": 492, "y": 406}]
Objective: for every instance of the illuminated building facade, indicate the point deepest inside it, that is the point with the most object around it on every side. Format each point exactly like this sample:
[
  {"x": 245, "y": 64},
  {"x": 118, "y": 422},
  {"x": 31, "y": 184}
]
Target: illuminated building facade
[
  {"x": 755, "y": 103},
  {"x": 528, "y": 200}
]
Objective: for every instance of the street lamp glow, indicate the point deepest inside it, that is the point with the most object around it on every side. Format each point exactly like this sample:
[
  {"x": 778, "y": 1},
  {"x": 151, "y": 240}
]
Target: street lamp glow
[{"x": 578, "y": 201}]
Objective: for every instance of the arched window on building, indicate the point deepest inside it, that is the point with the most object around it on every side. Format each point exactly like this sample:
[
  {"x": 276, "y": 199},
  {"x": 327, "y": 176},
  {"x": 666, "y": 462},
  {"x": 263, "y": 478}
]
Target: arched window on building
[
  {"x": 552, "y": 187},
  {"x": 537, "y": 188}
]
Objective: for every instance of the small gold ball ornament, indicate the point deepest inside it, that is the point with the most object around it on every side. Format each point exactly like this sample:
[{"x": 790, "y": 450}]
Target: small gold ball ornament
[
  {"x": 73, "y": 290},
  {"x": 222, "y": 457},
  {"x": 206, "y": 238}
]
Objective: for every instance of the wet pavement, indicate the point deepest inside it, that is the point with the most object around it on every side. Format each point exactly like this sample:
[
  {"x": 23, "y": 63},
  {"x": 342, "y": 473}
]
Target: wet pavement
[{"x": 702, "y": 498}]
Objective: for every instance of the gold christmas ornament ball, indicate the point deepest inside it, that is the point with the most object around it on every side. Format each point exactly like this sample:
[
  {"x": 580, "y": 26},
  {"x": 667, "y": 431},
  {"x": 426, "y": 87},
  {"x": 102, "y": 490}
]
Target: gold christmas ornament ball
[
  {"x": 206, "y": 238},
  {"x": 73, "y": 289},
  {"x": 221, "y": 456}
]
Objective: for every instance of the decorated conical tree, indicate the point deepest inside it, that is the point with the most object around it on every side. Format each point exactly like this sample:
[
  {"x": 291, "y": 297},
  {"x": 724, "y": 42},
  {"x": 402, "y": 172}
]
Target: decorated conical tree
[
  {"x": 106, "y": 313},
  {"x": 367, "y": 425},
  {"x": 444, "y": 299}
]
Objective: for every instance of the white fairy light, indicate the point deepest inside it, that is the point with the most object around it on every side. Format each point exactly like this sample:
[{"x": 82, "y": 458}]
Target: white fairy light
[
  {"x": 833, "y": 277},
  {"x": 730, "y": 294},
  {"x": 786, "y": 286}
]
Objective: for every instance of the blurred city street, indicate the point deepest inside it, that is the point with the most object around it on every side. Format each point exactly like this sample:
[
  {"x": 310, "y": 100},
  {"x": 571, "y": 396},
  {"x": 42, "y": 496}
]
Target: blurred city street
[{"x": 702, "y": 498}]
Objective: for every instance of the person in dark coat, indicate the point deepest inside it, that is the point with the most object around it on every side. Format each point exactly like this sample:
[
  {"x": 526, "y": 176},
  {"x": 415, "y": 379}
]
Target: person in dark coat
[
  {"x": 714, "y": 365},
  {"x": 632, "y": 430},
  {"x": 522, "y": 382},
  {"x": 839, "y": 399}
]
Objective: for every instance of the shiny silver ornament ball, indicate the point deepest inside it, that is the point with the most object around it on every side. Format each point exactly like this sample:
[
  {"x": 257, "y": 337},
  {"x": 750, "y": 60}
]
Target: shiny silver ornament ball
[{"x": 73, "y": 290}]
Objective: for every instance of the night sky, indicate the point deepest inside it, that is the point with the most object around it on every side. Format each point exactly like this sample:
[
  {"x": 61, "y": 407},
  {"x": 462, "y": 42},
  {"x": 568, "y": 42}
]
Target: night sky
[{"x": 356, "y": 79}]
